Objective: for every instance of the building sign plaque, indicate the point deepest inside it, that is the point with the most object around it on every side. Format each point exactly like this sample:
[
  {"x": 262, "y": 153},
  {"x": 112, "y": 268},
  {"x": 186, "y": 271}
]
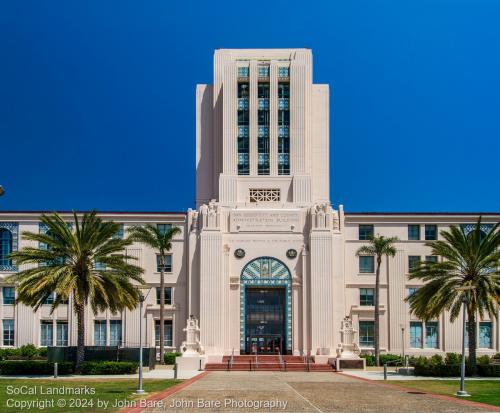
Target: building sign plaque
[{"x": 265, "y": 221}]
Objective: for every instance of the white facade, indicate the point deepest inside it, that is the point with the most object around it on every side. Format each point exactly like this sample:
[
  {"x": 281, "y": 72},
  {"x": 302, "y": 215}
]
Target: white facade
[{"x": 264, "y": 236}]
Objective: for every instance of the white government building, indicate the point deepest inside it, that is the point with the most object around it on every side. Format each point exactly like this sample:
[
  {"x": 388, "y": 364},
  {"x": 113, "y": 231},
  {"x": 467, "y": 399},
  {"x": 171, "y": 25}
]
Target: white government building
[{"x": 265, "y": 261}]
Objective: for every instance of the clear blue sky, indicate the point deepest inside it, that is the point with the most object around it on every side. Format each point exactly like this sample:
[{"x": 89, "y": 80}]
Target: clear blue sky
[{"x": 97, "y": 98}]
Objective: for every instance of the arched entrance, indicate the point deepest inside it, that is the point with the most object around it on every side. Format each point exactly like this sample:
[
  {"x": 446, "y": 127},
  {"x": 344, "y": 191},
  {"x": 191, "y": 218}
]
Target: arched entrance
[{"x": 265, "y": 307}]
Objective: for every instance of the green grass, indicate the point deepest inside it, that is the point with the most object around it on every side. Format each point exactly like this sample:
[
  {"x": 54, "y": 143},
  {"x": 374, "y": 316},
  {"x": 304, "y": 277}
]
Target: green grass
[
  {"x": 484, "y": 391},
  {"x": 105, "y": 391}
]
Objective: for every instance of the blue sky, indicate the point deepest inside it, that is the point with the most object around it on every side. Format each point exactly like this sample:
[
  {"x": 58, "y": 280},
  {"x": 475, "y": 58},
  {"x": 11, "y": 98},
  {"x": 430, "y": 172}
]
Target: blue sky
[{"x": 97, "y": 98}]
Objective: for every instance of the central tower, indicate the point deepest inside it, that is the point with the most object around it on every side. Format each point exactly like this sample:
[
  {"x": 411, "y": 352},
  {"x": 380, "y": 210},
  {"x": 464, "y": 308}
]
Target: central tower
[
  {"x": 265, "y": 245},
  {"x": 262, "y": 130}
]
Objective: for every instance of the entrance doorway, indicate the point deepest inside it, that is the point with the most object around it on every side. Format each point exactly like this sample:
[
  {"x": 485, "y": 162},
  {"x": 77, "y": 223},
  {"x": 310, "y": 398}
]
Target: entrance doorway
[{"x": 265, "y": 315}]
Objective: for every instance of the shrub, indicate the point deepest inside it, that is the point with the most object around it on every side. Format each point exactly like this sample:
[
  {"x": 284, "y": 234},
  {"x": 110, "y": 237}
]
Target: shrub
[
  {"x": 390, "y": 359},
  {"x": 488, "y": 370},
  {"x": 169, "y": 358},
  {"x": 33, "y": 367},
  {"x": 109, "y": 367},
  {"x": 453, "y": 358},
  {"x": 483, "y": 360},
  {"x": 496, "y": 356},
  {"x": 28, "y": 351},
  {"x": 43, "y": 352},
  {"x": 370, "y": 359}
]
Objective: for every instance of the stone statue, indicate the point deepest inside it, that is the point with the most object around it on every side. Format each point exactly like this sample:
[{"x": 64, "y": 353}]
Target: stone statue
[
  {"x": 349, "y": 348},
  {"x": 192, "y": 345}
]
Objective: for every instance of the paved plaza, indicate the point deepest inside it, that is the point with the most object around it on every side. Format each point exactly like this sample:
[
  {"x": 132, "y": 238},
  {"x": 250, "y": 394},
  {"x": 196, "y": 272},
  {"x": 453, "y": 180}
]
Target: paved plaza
[{"x": 303, "y": 392}]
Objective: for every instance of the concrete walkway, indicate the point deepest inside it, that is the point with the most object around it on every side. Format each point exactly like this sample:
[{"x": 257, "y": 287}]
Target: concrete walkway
[{"x": 304, "y": 392}]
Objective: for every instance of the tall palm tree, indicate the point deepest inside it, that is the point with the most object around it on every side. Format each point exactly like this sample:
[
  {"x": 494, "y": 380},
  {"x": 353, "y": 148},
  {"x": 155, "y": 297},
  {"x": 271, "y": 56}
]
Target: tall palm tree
[
  {"x": 379, "y": 246},
  {"x": 160, "y": 239},
  {"x": 469, "y": 270},
  {"x": 65, "y": 264}
]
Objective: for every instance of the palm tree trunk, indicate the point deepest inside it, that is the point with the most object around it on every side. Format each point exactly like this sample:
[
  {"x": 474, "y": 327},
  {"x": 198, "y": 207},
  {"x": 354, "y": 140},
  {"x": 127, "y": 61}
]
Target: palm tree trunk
[
  {"x": 162, "y": 309},
  {"x": 376, "y": 327},
  {"x": 80, "y": 349},
  {"x": 471, "y": 330}
]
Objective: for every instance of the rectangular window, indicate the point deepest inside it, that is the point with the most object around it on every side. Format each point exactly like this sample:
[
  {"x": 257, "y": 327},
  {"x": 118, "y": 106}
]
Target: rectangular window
[
  {"x": 62, "y": 334},
  {"x": 164, "y": 228},
  {"x": 432, "y": 259},
  {"x": 120, "y": 233},
  {"x": 413, "y": 261},
  {"x": 243, "y": 71},
  {"x": 99, "y": 266},
  {"x": 413, "y": 232},
  {"x": 8, "y": 295},
  {"x": 283, "y": 128},
  {"x": 365, "y": 232},
  {"x": 485, "y": 335},
  {"x": 168, "y": 263},
  {"x": 366, "y": 264},
  {"x": 115, "y": 332},
  {"x": 430, "y": 232},
  {"x": 168, "y": 295},
  {"x": 8, "y": 332},
  {"x": 49, "y": 300},
  {"x": 167, "y": 333},
  {"x": 415, "y": 334},
  {"x": 100, "y": 332},
  {"x": 46, "y": 329},
  {"x": 366, "y": 296},
  {"x": 263, "y": 71},
  {"x": 431, "y": 334},
  {"x": 412, "y": 290},
  {"x": 366, "y": 334},
  {"x": 283, "y": 72}
]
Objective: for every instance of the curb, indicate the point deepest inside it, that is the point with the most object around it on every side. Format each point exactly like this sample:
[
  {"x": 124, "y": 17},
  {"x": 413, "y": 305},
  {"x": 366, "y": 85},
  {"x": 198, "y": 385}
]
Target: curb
[
  {"x": 165, "y": 393},
  {"x": 469, "y": 403}
]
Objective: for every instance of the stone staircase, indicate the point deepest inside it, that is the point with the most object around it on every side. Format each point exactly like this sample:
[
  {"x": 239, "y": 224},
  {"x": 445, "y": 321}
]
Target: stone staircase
[{"x": 266, "y": 363}]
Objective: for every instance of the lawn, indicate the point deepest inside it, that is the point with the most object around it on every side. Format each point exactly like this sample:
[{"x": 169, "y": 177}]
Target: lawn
[
  {"x": 94, "y": 394},
  {"x": 485, "y": 391}
]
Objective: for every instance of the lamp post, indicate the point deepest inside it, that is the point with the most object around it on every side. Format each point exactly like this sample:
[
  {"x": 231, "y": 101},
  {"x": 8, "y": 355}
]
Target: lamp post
[
  {"x": 142, "y": 298},
  {"x": 462, "y": 391},
  {"x": 403, "y": 343}
]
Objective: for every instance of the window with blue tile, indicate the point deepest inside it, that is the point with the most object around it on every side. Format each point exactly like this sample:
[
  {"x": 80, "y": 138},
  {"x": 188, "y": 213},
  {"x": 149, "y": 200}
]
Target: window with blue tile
[
  {"x": 283, "y": 72},
  {"x": 263, "y": 71},
  {"x": 243, "y": 71},
  {"x": 8, "y": 244}
]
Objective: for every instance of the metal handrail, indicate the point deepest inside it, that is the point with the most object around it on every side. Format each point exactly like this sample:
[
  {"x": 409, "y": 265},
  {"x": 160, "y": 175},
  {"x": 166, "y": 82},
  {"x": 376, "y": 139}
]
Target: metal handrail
[{"x": 232, "y": 358}]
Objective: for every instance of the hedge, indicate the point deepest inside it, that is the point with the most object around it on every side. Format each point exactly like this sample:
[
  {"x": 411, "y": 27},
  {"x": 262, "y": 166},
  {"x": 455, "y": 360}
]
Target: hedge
[
  {"x": 390, "y": 359},
  {"x": 109, "y": 367},
  {"x": 170, "y": 357},
  {"x": 26, "y": 352},
  {"x": 33, "y": 367},
  {"x": 450, "y": 366}
]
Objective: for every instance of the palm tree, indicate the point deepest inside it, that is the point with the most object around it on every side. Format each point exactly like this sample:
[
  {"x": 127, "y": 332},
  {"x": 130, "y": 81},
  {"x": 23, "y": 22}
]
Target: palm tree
[
  {"x": 379, "y": 246},
  {"x": 65, "y": 264},
  {"x": 160, "y": 239},
  {"x": 469, "y": 270}
]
